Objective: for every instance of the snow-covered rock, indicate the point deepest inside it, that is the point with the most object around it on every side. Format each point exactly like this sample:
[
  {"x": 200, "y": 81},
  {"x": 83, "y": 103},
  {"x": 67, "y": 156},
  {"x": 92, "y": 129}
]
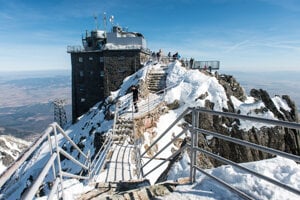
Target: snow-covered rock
[{"x": 10, "y": 149}]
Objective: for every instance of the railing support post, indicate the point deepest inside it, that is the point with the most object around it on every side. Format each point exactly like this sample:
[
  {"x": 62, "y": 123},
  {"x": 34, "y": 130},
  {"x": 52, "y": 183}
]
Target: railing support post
[
  {"x": 53, "y": 166},
  {"x": 58, "y": 159},
  {"x": 193, "y": 145},
  {"x": 196, "y": 125}
]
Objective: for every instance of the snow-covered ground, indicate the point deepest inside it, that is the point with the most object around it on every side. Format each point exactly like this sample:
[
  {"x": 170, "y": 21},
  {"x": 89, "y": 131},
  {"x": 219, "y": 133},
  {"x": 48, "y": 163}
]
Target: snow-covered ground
[
  {"x": 283, "y": 170},
  {"x": 189, "y": 85}
]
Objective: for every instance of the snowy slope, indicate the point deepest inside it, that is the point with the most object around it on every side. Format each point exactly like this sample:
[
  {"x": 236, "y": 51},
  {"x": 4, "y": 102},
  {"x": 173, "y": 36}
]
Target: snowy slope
[
  {"x": 205, "y": 188},
  {"x": 189, "y": 85}
]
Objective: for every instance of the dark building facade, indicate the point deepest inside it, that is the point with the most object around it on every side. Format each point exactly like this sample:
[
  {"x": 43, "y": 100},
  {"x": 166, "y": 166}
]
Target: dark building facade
[{"x": 100, "y": 66}]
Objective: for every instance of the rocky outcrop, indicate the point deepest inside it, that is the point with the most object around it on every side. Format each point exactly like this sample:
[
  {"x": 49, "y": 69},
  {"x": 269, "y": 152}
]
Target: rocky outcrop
[
  {"x": 232, "y": 87},
  {"x": 147, "y": 124},
  {"x": 276, "y": 137},
  {"x": 281, "y": 114}
]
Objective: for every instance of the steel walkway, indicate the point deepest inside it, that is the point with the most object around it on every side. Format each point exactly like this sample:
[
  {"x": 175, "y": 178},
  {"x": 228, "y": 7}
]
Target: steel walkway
[{"x": 119, "y": 165}]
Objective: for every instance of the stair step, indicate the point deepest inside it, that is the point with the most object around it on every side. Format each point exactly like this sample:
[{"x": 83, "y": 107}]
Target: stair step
[
  {"x": 137, "y": 190},
  {"x": 109, "y": 190}
]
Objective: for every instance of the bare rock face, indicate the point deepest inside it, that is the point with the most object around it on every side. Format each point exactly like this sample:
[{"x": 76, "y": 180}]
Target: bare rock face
[
  {"x": 232, "y": 87},
  {"x": 292, "y": 116},
  {"x": 265, "y": 98}
]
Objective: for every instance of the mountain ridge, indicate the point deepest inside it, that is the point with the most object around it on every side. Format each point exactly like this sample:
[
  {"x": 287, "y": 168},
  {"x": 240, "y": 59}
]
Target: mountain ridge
[{"x": 191, "y": 88}]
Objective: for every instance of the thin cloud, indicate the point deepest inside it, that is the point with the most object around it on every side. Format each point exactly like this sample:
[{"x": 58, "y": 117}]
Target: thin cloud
[
  {"x": 291, "y": 5},
  {"x": 236, "y": 46}
]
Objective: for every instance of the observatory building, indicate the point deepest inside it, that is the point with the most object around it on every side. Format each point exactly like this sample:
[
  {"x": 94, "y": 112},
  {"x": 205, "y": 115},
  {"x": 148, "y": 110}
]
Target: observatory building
[{"x": 101, "y": 63}]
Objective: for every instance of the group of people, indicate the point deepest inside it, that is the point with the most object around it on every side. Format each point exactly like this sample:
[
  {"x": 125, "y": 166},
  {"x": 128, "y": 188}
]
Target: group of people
[
  {"x": 175, "y": 56},
  {"x": 158, "y": 56}
]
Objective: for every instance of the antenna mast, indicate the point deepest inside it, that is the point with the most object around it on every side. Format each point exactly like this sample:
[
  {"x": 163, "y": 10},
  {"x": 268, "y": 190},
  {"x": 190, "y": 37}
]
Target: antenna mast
[
  {"x": 104, "y": 21},
  {"x": 96, "y": 21},
  {"x": 59, "y": 112}
]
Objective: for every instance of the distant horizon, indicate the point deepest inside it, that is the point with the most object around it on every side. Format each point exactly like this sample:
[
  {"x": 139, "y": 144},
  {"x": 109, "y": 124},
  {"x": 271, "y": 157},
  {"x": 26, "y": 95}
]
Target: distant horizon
[
  {"x": 253, "y": 34},
  {"x": 274, "y": 82},
  {"x": 220, "y": 70}
]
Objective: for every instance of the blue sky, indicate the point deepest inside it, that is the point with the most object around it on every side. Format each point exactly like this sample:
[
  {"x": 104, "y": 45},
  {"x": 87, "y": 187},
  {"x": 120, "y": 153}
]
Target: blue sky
[{"x": 245, "y": 35}]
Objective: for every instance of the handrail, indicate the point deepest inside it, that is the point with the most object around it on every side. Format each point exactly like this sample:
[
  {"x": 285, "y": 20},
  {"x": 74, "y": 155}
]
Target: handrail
[
  {"x": 168, "y": 144},
  {"x": 52, "y": 162},
  {"x": 70, "y": 140},
  {"x": 102, "y": 153},
  {"x": 99, "y": 159},
  {"x": 6, "y": 175},
  {"x": 194, "y": 147},
  {"x": 229, "y": 162},
  {"x": 240, "y": 193},
  {"x": 293, "y": 125},
  {"x": 166, "y": 131},
  {"x": 251, "y": 145},
  {"x": 168, "y": 159},
  {"x": 40, "y": 178}
]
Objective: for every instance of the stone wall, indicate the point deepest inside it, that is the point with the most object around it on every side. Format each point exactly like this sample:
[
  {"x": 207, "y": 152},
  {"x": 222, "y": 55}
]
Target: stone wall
[
  {"x": 119, "y": 64},
  {"x": 96, "y": 73}
]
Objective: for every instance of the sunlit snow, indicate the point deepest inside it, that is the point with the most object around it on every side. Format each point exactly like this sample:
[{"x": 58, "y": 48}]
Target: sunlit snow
[{"x": 186, "y": 86}]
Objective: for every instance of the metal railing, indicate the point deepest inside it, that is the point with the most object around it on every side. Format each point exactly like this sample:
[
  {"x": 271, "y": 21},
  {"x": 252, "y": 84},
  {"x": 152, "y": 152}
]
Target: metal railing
[
  {"x": 80, "y": 49},
  {"x": 194, "y": 131},
  {"x": 54, "y": 163},
  {"x": 99, "y": 160}
]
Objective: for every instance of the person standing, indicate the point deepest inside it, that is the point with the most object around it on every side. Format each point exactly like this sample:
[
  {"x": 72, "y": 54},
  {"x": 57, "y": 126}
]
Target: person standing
[
  {"x": 159, "y": 54},
  {"x": 135, "y": 97}
]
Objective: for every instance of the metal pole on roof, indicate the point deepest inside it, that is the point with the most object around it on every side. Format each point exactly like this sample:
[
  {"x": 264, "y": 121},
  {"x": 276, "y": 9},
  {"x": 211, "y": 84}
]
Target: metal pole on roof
[
  {"x": 96, "y": 21},
  {"x": 104, "y": 22}
]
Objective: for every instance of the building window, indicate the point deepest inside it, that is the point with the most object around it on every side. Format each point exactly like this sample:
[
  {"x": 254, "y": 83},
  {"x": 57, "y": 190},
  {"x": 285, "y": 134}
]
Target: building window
[
  {"x": 82, "y": 100},
  {"x": 80, "y": 59},
  {"x": 101, "y": 59},
  {"x": 101, "y": 73},
  {"x": 81, "y": 73},
  {"x": 122, "y": 69},
  {"x": 90, "y": 58},
  {"x": 121, "y": 58}
]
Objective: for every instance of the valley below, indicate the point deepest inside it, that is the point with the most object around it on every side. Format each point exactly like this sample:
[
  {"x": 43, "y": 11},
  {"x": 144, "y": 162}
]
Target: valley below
[{"x": 26, "y": 107}]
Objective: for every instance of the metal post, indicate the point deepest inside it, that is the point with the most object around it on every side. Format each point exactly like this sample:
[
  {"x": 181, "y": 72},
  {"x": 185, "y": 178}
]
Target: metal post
[
  {"x": 58, "y": 160},
  {"x": 51, "y": 152},
  {"x": 53, "y": 166},
  {"x": 192, "y": 174},
  {"x": 195, "y": 125}
]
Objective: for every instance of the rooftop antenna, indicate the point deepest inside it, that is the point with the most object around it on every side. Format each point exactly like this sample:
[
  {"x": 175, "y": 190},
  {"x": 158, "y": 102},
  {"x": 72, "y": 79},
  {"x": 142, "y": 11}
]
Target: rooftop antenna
[
  {"x": 96, "y": 21},
  {"x": 104, "y": 21},
  {"x": 111, "y": 19}
]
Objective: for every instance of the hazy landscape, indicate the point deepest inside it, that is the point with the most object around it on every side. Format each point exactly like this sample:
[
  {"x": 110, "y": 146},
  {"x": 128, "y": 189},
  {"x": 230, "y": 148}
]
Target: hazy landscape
[{"x": 26, "y": 106}]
